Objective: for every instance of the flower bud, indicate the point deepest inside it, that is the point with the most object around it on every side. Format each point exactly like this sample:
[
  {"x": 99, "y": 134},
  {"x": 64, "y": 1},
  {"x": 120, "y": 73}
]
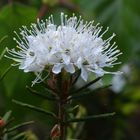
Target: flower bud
[
  {"x": 55, "y": 132},
  {"x": 2, "y": 123}
]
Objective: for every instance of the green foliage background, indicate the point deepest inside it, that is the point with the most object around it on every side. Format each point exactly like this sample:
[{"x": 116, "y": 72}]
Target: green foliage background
[{"x": 123, "y": 18}]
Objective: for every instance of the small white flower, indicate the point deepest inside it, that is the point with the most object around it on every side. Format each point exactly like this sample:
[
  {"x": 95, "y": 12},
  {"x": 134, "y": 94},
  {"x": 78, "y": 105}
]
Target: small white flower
[
  {"x": 70, "y": 46},
  {"x": 119, "y": 81}
]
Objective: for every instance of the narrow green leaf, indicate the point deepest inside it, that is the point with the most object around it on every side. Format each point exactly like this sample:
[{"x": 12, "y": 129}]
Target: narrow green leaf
[
  {"x": 6, "y": 71},
  {"x": 2, "y": 54},
  {"x": 5, "y": 137},
  {"x": 34, "y": 92},
  {"x": 9, "y": 121},
  {"x": 18, "y": 126},
  {"x": 86, "y": 86},
  {"x": 7, "y": 115},
  {"x": 4, "y": 37},
  {"x": 35, "y": 108},
  {"x": 21, "y": 135},
  {"x": 91, "y": 117},
  {"x": 72, "y": 109},
  {"x": 83, "y": 94}
]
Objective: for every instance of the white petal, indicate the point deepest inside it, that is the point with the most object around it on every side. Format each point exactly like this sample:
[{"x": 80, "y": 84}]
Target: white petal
[
  {"x": 22, "y": 65},
  {"x": 57, "y": 68},
  {"x": 84, "y": 74},
  {"x": 79, "y": 62},
  {"x": 26, "y": 63},
  {"x": 70, "y": 68},
  {"x": 99, "y": 72},
  {"x": 66, "y": 59}
]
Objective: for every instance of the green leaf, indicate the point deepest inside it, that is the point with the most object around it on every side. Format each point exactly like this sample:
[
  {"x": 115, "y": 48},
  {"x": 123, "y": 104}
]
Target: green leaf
[
  {"x": 34, "y": 92},
  {"x": 86, "y": 85},
  {"x": 19, "y": 136},
  {"x": 2, "y": 54},
  {"x": 7, "y": 116},
  {"x": 91, "y": 117},
  {"x": 18, "y": 126},
  {"x": 72, "y": 109},
  {"x": 40, "y": 110},
  {"x": 4, "y": 51},
  {"x": 6, "y": 71},
  {"x": 83, "y": 94},
  {"x": 3, "y": 38}
]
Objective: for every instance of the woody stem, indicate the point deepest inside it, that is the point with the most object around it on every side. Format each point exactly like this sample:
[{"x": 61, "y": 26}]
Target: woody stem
[{"x": 62, "y": 116}]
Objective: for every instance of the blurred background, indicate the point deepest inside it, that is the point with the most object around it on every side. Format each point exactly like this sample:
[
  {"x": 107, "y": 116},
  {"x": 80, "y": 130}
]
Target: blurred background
[{"x": 123, "y": 97}]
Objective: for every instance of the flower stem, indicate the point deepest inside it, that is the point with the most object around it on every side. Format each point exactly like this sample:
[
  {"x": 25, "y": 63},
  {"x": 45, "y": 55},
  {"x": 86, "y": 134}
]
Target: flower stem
[
  {"x": 62, "y": 116},
  {"x": 64, "y": 92}
]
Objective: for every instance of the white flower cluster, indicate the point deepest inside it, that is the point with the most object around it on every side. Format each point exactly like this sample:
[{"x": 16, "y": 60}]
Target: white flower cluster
[{"x": 73, "y": 45}]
